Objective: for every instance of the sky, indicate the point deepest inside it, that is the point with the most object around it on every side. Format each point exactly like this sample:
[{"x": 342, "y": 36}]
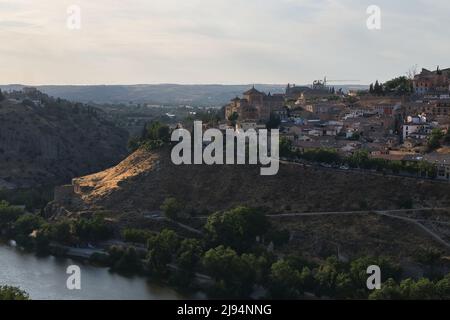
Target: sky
[{"x": 219, "y": 41}]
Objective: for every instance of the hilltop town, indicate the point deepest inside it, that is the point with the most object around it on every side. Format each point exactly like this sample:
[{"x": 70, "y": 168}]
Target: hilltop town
[{"x": 403, "y": 120}]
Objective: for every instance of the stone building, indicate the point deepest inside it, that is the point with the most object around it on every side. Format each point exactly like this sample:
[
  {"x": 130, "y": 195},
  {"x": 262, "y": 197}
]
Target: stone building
[
  {"x": 427, "y": 81},
  {"x": 254, "y": 106}
]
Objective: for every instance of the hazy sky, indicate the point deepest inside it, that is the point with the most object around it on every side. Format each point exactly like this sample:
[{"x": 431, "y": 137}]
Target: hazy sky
[{"x": 218, "y": 41}]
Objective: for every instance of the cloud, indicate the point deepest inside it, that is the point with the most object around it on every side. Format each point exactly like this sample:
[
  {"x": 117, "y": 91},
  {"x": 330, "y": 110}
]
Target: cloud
[{"x": 229, "y": 41}]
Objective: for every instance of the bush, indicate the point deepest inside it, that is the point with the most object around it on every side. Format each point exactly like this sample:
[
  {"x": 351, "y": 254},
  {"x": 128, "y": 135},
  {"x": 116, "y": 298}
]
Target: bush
[
  {"x": 171, "y": 208},
  {"x": 94, "y": 229},
  {"x": 136, "y": 235},
  {"x": 236, "y": 228},
  {"x": 12, "y": 293},
  {"x": 8, "y": 214}
]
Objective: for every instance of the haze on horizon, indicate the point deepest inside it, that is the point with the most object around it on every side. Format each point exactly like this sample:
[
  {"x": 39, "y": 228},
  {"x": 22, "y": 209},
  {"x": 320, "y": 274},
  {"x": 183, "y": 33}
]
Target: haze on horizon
[{"x": 218, "y": 41}]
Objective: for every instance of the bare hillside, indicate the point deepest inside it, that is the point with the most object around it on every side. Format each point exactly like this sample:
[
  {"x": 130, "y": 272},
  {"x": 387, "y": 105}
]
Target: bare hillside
[{"x": 142, "y": 182}]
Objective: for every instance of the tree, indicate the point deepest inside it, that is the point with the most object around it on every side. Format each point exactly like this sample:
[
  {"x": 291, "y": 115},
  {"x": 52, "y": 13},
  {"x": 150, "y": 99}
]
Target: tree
[
  {"x": 27, "y": 223},
  {"x": 161, "y": 249},
  {"x": 284, "y": 281},
  {"x": 187, "y": 262},
  {"x": 171, "y": 208},
  {"x": 129, "y": 262},
  {"x": 434, "y": 140},
  {"x": 12, "y": 293},
  {"x": 94, "y": 229},
  {"x": 378, "y": 88},
  {"x": 136, "y": 235},
  {"x": 389, "y": 291},
  {"x": 8, "y": 213},
  {"x": 326, "y": 276},
  {"x": 399, "y": 85},
  {"x": 60, "y": 231},
  {"x": 285, "y": 147},
  {"x": 443, "y": 287},
  {"x": 235, "y": 275},
  {"x": 156, "y": 131},
  {"x": 236, "y": 228}
]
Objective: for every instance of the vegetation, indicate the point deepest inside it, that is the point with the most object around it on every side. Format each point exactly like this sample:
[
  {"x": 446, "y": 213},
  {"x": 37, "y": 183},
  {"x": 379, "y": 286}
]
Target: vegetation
[
  {"x": 376, "y": 88},
  {"x": 409, "y": 289},
  {"x": 33, "y": 198},
  {"x": 233, "y": 118},
  {"x": 8, "y": 214},
  {"x": 434, "y": 141},
  {"x": 359, "y": 159},
  {"x": 400, "y": 85},
  {"x": 161, "y": 249},
  {"x": 12, "y": 293},
  {"x": 237, "y": 228},
  {"x": 136, "y": 235},
  {"x": 171, "y": 208},
  {"x": 33, "y": 232},
  {"x": 154, "y": 135}
]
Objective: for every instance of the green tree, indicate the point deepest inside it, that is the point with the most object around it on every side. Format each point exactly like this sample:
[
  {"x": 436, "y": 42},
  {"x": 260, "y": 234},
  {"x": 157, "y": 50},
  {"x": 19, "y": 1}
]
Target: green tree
[
  {"x": 8, "y": 214},
  {"x": 136, "y": 235},
  {"x": 60, "y": 231},
  {"x": 443, "y": 287},
  {"x": 235, "y": 275},
  {"x": 399, "y": 85},
  {"x": 389, "y": 291},
  {"x": 27, "y": 223},
  {"x": 284, "y": 281},
  {"x": 94, "y": 229},
  {"x": 237, "y": 228},
  {"x": 161, "y": 250},
  {"x": 129, "y": 262},
  {"x": 12, "y": 293},
  {"x": 434, "y": 141},
  {"x": 285, "y": 147},
  {"x": 189, "y": 255},
  {"x": 171, "y": 208}
]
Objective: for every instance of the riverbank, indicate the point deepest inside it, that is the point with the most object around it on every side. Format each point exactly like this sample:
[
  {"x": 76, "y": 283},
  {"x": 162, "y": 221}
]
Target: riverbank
[{"x": 44, "y": 277}]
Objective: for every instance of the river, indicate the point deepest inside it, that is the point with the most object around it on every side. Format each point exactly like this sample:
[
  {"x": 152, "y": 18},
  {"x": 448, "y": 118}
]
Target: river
[{"x": 45, "y": 278}]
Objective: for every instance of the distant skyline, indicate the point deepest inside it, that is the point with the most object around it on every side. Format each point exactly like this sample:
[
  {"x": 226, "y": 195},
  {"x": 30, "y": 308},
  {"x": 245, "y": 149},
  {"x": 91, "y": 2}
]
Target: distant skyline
[{"x": 219, "y": 41}]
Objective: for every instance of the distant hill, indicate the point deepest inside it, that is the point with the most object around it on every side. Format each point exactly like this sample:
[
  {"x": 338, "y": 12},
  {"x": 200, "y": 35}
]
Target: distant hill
[
  {"x": 50, "y": 143},
  {"x": 161, "y": 94}
]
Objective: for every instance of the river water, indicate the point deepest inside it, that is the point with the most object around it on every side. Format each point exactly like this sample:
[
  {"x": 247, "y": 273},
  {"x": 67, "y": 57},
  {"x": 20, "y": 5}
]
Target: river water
[{"x": 45, "y": 278}]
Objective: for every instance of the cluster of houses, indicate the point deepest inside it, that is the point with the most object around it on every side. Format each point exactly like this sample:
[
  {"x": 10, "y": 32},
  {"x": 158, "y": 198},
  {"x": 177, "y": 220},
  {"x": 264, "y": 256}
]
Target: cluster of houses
[{"x": 390, "y": 127}]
